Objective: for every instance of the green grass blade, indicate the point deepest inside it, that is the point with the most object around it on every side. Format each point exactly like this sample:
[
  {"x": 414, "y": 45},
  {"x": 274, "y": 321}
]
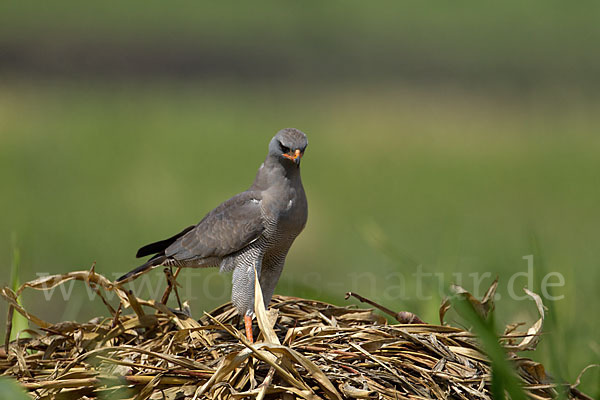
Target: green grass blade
[
  {"x": 19, "y": 322},
  {"x": 557, "y": 365},
  {"x": 504, "y": 377},
  {"x": 9, "y": 389}
]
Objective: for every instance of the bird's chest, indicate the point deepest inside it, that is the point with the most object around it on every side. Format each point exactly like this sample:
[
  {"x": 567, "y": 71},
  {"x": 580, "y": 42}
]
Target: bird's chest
[{"x": 289, "y": 214}]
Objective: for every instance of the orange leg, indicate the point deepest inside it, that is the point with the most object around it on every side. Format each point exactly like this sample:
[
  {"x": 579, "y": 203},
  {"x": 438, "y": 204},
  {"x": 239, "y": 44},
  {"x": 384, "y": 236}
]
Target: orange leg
[{"x": 248, "y": 323}]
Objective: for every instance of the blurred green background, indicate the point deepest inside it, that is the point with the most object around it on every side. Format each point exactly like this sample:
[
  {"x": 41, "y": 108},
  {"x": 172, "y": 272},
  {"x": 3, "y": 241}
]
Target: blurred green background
[{"x": 458, "y": 137}]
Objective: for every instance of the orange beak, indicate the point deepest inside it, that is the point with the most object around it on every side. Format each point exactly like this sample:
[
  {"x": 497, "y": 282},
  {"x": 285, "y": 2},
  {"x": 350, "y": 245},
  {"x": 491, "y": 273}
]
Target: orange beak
[{"x": 294, "y": 157}]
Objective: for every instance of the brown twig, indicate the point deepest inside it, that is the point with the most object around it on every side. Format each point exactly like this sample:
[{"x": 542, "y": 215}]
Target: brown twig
[
  {"x": 9, "y": 318},
  {"x": 404, "y": 317},
  {"x": 171, "y": 286}
]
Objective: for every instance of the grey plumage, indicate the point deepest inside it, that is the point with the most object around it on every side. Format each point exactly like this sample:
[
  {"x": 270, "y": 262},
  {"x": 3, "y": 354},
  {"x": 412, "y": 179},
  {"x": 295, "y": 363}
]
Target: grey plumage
[{"x": 254, "y": 228}]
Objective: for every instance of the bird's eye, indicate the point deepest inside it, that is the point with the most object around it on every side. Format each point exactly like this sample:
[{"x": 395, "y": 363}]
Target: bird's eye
[{"x": 284, "y": 149}]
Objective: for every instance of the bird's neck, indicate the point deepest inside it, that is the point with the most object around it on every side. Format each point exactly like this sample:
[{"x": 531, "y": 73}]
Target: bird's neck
[{"x": 273, "y": 172}]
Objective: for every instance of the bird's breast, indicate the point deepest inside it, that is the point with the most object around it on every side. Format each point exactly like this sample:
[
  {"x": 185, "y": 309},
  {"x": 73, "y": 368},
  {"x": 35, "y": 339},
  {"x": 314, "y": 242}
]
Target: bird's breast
[{"x": 286, "y": 211}]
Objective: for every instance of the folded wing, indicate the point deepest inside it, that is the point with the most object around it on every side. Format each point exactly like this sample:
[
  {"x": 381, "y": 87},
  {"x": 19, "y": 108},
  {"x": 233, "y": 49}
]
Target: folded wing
[{"x": 229, "y": 228}]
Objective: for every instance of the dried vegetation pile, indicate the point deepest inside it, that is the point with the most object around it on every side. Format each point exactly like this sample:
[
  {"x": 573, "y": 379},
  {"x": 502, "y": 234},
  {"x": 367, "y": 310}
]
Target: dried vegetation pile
[{"x": 305, "y": 349}]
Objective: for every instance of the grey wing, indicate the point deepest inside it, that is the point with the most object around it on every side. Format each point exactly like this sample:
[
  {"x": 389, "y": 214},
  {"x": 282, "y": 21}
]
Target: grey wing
[{"x": 228, "y": 228}]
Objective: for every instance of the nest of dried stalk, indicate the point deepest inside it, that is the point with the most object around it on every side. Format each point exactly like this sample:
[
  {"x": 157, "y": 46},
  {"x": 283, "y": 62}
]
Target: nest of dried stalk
[{"x": 306, "y": 349}]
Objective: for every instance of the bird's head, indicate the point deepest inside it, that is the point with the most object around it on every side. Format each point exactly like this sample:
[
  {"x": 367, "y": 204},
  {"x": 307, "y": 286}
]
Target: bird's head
[{"x": 288, "y": 146}]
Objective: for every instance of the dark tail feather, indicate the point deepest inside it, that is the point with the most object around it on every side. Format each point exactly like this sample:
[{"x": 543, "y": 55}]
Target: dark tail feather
[
  {"x": 147, "y": 266},
  {"x": 160, "y": 246}
]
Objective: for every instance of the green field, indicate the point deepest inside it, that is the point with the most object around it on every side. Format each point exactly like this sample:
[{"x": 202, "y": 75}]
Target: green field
[{"x": 457, "y": 182}]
